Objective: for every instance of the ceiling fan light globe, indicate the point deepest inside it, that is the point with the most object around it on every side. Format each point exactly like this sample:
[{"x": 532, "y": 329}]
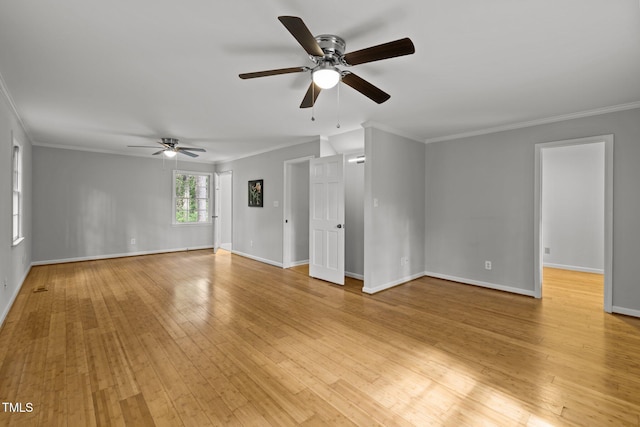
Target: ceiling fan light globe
[
  {"x": 170, "y": 153},
  {"x": 326, "y": 78}
]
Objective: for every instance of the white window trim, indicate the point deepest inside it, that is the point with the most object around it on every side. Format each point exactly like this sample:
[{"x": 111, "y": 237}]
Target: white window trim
[
  {"x": 175, "y": 223},
  {"x": 17, "y": 180}
]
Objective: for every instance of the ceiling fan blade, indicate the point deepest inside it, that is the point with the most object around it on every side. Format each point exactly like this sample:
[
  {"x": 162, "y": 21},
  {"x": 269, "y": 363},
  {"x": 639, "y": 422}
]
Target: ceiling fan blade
[
  {"x": 142, "y": 146},
  {"x": 158, "y": 152},
  {"x": 382, "y": 51},
  {"x": 365, "y": 88},
  {"x": 272, "y": 72},
  {"x": 311, "y": 96},
  {"x": 202, "y": 150},
  {"x": 301, "y": 33},
  {"x": 188, "y": 153}
]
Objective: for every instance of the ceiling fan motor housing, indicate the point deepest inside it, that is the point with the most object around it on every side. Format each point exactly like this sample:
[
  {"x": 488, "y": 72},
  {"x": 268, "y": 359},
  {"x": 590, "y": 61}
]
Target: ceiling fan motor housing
[
  {"x": 333, "y": 48},
  {"x": 170, "y": 141}
]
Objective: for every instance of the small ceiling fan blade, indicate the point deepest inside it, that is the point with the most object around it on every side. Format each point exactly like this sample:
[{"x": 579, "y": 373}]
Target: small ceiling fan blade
[
  {"x": 272, "y": 72},
  {"x": 382, "y": 51},
  {"x": 142, "y": 146},
  {"x": 158, "y": 152},
  {"x": 311, "y": 96},
  {"x": 301, "y": 33},
  {"x": 188, "y": 153},
  {"x": 364, "y": 87},
  {"x": 202, "y": 150}
]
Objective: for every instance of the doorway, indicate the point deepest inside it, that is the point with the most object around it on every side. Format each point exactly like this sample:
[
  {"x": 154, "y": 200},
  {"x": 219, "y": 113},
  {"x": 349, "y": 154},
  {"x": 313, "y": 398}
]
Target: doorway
[
  {"x": 295, "y": 229},
  {"x": 573, "y": 231},
  {"x": 225, "y": 210}
]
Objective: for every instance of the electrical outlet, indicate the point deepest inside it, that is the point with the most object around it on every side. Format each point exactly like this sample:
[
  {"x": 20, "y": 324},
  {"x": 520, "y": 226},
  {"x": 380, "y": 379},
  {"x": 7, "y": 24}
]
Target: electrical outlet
[
  {"x": 406, "y": 260},
  {"x": 251, "y": 243},
  {"x": 133, "y": 240},
  {"x": 487, "y": 265},
  {"x": 4, "y": 283},
  {"x": 547, "y": 251}
]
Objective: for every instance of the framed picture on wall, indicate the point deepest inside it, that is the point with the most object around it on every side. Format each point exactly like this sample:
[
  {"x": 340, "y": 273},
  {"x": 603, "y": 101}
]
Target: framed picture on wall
[{"x": 256, "y": 190}]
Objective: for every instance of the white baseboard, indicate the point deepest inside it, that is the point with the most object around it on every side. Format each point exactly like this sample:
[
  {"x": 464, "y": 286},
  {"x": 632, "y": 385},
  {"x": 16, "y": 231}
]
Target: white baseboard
[
  {"x": 574, "y": 268},
  {"x": 299, "y": 263},
  {"x": 14, "y": 296},
  {"x": 625, "y": 311},
  {"x": 255, "y": 258},
  {"x": 121, "y": 255},
  {"x": 354, "y": 275},
  {"x": 392, "y": 283},
  {"x": 465, "y": 281}
]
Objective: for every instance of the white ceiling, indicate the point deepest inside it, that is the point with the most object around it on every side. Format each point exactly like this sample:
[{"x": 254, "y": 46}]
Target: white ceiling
[{"x": 104, "y": 75}]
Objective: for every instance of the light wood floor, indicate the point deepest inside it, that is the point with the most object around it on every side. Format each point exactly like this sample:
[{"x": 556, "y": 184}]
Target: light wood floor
[{"x": 199, "y": 339}]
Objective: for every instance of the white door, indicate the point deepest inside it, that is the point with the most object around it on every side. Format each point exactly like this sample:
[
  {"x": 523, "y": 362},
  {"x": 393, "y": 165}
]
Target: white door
[
  {"x": 216, "y": 212},
  {"x": 326, "y": 219}
]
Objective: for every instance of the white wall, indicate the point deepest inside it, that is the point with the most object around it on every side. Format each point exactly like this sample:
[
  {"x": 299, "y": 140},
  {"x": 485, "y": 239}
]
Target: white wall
[
  {"x": 394, "y": 229},
  {"x": 480, "y": 204},
  {"x": 257, "y": 232},
  {"x": 573, "y": 207},
  {"x": 15, "y": 261},
  {"x": 89, "y": 205}
]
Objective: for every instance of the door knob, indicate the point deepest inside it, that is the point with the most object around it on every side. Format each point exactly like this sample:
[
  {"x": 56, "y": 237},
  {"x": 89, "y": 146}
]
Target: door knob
[{"x": 339, "y": 225}]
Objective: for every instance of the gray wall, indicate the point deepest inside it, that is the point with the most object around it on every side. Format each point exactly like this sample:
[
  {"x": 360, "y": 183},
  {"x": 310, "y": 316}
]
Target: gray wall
[
  {"x": 90, "y": 204},
  {"x": 262, "y": 226},
  {"x": 480, "y": 203},
  {"x": 573, "y": 207},
  {"x": 299, "y": 219},
  {"x": 15, "y": 261},
  {"x": 394, "y": 176}
]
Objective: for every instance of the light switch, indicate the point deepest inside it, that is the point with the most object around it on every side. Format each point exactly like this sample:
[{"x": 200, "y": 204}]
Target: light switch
[
  {"x": 375, "y": 202},
  {"x": 276, "y": 203}
]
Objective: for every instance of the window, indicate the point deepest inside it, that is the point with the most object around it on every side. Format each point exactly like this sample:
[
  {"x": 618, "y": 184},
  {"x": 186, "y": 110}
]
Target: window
[
  {"x": 191, "y": 196},
  {"x": 16, "y": 164}
]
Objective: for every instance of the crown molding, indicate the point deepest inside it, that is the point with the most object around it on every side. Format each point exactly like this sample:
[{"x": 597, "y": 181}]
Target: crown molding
[
  {"x": 547, "y": 120},
  {"x": 389, "y": 129},
  {"x": 5, "y": 91}
]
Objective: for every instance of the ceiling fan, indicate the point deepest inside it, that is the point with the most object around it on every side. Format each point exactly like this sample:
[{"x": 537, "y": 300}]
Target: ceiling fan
[
  {"x": 326, "y": 51},
  {"x": 171, "y": 148}
]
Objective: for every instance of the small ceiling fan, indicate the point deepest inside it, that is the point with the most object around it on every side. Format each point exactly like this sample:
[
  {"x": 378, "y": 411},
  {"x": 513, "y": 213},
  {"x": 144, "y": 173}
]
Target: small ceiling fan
[
  {"x": 171, "y": 148},
  {"x": 326, "y": 51}
]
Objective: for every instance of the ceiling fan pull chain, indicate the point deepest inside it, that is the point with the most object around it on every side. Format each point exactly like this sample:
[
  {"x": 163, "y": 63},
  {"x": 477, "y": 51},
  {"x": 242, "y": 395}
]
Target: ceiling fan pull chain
[
  {"x": 338, "y": 110},
  {"x": 313, "y": 99}
]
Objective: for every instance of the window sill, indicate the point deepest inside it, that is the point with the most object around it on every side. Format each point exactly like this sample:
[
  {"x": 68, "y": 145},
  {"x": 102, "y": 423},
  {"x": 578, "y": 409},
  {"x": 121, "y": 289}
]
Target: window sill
[
  {"x": 17, "y": 242},
  {"x": 192, "y": 224}
]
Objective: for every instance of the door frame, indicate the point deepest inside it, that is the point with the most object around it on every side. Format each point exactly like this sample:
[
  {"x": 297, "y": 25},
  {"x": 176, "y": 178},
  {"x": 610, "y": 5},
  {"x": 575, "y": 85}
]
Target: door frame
[
  {"x": 286, "y": 211},
  {"x": 608, "y": 212},
  {"x": 216, "y": 212},
  {"x": 219, "y": 210}
]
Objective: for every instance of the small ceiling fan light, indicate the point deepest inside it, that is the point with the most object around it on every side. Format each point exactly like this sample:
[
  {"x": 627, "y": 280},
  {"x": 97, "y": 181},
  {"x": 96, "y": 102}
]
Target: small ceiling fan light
[
  {"x": 170, "y": 153},
  {"x": 326, "y": 76}
]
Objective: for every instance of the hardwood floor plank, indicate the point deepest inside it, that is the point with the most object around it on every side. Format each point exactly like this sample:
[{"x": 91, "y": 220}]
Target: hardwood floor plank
[{"x": 194, "y": 338}]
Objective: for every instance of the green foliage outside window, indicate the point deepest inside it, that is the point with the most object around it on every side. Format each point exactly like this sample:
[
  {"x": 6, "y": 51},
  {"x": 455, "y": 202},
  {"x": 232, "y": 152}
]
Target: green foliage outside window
[{"x": 192, "y": 198}]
